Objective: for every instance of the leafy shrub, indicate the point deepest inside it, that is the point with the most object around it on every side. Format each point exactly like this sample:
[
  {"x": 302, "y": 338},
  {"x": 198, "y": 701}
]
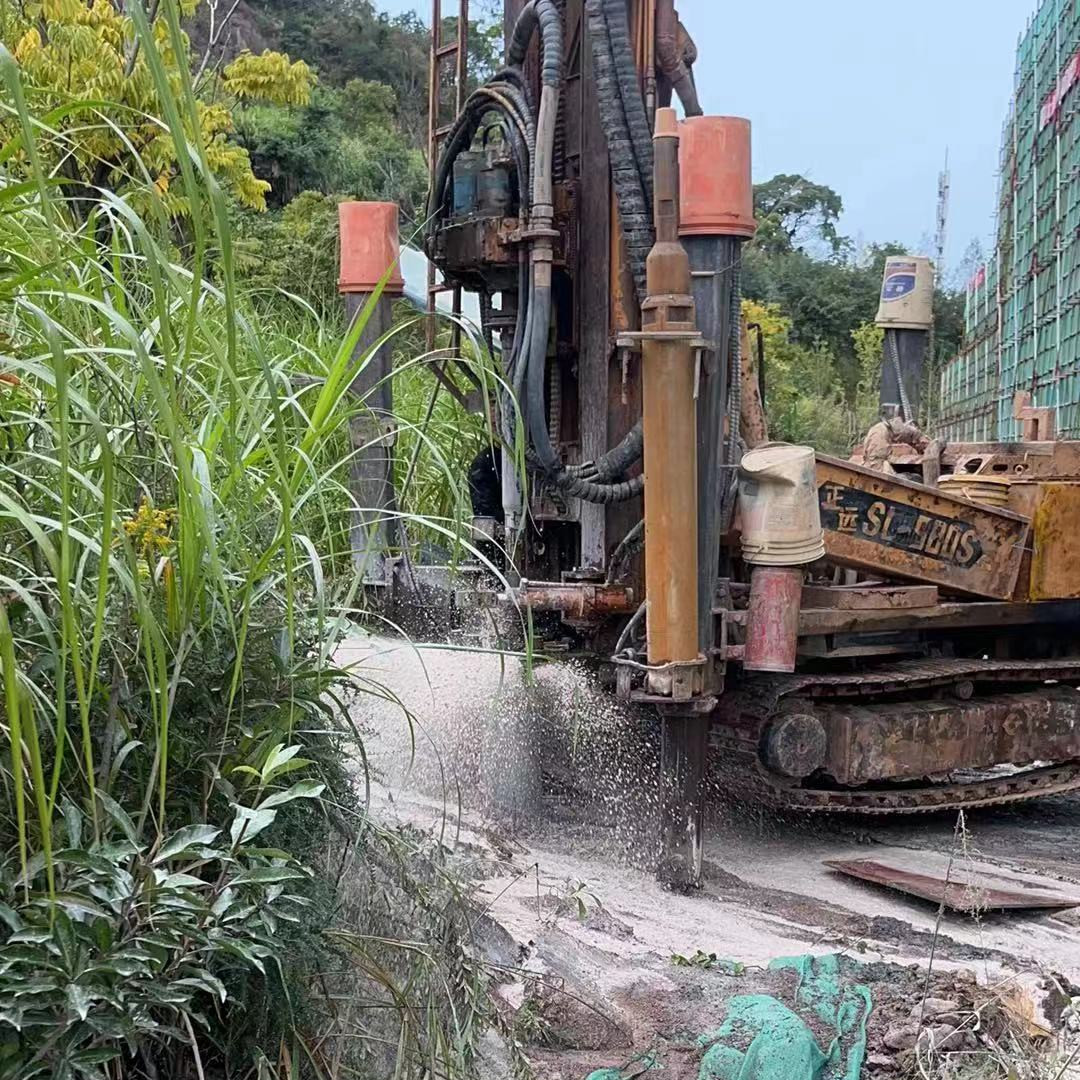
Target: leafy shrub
[
  {"x": 174, "y": 506},
  {"x": 121, "y": 961}
]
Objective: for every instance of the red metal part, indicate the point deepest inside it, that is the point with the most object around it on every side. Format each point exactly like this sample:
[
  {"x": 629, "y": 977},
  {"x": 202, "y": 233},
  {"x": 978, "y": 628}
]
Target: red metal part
[
  {"x": 717, "y": 193},
  {"x": 772, "y": 622}
]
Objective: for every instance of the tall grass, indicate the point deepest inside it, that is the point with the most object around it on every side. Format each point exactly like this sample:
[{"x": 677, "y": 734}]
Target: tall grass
[{"x": 173, "y": 515}]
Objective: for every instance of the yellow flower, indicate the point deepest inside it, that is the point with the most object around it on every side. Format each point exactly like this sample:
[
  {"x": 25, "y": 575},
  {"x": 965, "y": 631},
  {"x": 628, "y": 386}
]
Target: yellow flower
[{"x": 149, "y": 529}]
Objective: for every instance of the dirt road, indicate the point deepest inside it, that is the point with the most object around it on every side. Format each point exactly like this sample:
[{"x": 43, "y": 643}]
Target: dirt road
[{"x": 563, "y": 869}]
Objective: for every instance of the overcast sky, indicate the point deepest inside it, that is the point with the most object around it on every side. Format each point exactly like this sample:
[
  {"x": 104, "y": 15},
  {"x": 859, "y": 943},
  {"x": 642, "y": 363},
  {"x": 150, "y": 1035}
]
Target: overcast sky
[{"x": 865, "y": 97}]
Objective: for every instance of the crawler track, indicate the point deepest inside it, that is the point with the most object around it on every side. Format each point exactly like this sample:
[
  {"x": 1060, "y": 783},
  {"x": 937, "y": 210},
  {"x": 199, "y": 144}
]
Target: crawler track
[{"x": 745, "y": 712}]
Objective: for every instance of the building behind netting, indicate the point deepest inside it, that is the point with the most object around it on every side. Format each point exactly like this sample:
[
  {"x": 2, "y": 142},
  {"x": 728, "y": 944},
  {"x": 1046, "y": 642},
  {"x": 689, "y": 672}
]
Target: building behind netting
[{"x": 1022, "y": 329}]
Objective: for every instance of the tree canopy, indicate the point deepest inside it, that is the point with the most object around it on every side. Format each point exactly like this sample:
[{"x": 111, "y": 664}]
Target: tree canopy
[{"x": 83, "y": 65}]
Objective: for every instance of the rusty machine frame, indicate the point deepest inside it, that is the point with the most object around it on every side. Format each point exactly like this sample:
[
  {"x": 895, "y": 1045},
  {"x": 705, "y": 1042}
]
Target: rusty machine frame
[{"x": 934, "y": 657}]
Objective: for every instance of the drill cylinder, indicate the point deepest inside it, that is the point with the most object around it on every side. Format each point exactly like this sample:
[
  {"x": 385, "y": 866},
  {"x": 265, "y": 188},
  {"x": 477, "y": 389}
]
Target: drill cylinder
[{"x": 670, "y": 425}]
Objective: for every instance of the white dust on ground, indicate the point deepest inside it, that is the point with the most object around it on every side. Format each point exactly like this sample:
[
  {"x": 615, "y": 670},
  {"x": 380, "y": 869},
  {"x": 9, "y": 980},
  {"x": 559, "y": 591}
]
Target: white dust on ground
[{"x": 466, "y": 767}]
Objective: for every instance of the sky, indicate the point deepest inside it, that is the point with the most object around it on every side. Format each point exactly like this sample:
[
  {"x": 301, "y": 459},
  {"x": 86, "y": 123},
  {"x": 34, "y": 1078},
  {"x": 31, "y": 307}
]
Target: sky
[{"x": 865, "y": 97}]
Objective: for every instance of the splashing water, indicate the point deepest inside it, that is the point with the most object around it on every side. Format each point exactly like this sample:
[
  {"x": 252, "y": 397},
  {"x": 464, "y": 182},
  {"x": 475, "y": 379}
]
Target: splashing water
[{"x": 560, "y": 756}]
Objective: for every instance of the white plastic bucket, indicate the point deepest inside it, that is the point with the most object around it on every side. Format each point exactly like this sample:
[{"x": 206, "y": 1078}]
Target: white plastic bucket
[{"x": 778, "y": 502}]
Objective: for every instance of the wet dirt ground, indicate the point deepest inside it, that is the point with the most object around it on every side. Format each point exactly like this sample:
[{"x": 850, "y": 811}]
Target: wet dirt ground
[{"x": 562, "y": 869}]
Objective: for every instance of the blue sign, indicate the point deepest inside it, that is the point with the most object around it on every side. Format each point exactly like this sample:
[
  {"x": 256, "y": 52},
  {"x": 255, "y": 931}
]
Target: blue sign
[{"x": 898, "y": 286}]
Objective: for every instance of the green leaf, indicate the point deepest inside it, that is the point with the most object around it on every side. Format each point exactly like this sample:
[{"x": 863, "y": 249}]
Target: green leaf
[
  {"x": 11, "y": 917},
  {"x": 179, "y": 881},
  {"x": 203, "y": 979},
  {"x": 249, "y": 823},
  {"x": 30, "y": 937},
  {"x": 79, "y": 1000},
  {"x": 119, "y": 816},
  {"x": 64, "y": 936},
  {"x": 77, "y": 904},
  {"x": 305, "y": 789},
  {"x": 278, "y": 756},
  {"x": 73, "y": 821},
  {"x": 266, "y": 875},
  {"x": 242, "y": 952},
  {"x": 188, "y": 837}
]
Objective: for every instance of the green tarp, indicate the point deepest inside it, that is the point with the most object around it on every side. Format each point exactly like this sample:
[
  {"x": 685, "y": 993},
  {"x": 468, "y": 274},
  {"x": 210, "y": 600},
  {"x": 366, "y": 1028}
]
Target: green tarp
[{"x": 761, "y": 1038}]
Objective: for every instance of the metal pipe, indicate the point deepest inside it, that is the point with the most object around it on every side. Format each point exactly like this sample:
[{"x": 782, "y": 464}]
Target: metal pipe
[
  {"x": 669, "y": 421},
  {"x": 369, "y": 250},
  {"x": 772, "y": 622},
  {"x": 684, "y": 751},
  {"x": 712, "y": 258},
  {"x": 581, "y": 601}
]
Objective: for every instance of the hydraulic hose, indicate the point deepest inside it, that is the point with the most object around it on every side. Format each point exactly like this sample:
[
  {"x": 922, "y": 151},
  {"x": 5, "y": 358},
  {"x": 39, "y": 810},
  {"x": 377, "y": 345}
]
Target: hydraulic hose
[{"x": 629, "y": 141}]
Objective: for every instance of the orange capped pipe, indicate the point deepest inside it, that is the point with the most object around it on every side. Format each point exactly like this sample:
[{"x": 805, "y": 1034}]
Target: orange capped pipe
[
  {"x": 369, "y": 247},
  {"x": 717, "y": 191}
]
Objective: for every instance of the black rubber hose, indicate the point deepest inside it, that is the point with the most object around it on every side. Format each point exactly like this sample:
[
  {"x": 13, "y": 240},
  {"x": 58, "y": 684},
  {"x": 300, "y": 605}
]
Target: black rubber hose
[
  {"x": 604, "y": 494},
  {"x": 631, "y": 190},
  {"x": 633, "y": 103},
  {"x": 521, "y": 35},
  {"x": 617, "y": 460},
  {"x": 627, "y": 548},
  {"x": 551, "y": 30}
]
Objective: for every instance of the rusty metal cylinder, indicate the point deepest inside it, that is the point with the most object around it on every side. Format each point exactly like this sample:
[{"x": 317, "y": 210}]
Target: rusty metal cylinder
[
  {"x": 369, "y": 248},
  {"x": 369, "y": 256},
  {"x": 579, "y": 600},
  {"x": 670, "y": 426},
  {"x": 772, "y": 623},
  {"x": 717, "y": 192}
]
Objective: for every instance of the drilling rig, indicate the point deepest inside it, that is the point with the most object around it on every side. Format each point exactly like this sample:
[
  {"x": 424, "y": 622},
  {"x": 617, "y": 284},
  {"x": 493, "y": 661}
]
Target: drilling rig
[{"x": 896, "y": 633}]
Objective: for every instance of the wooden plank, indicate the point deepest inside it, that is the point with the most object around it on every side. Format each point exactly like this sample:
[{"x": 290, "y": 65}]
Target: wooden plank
[
  {"x": 966, "y": 886},
  {"x": 902, "y": 530},
  {"x": 942, "y": 617}
]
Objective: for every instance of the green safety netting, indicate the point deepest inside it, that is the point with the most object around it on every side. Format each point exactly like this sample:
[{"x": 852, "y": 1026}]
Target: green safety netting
[{"x": 764, "y": 1039}]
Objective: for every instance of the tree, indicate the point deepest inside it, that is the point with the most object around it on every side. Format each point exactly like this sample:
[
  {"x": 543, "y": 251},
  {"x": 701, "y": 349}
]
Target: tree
[
  {"x": 82, "y": 64},
  {"x": 793, "y": 212},
  {"x": 805, "y": 400},
  {"x": 826, "y": 299},
  {"x": 343, "y": 142},
  {"x": 350, "y": 39}
]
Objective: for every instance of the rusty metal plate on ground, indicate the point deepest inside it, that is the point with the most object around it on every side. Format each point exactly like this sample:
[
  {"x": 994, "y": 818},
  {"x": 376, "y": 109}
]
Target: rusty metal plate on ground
[
  {"x": 961, "y": 883},
  {"x": 900, "y": 529}
]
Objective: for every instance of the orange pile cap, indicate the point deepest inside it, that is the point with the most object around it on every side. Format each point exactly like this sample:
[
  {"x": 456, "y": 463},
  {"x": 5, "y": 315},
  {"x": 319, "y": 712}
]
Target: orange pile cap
[
  {"x": 369, "y": 247},
  {"x": 716, "y": 190}
]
